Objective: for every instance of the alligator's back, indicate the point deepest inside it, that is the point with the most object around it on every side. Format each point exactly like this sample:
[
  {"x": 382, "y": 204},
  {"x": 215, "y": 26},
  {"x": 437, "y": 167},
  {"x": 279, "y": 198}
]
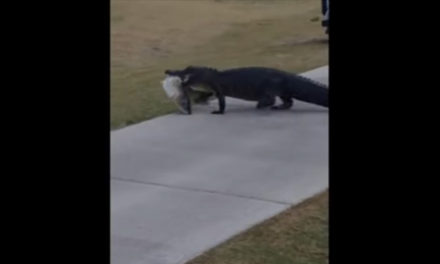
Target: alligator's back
[
  {"x": 249, "y": 83},
  {"x": 253, "y": 82}
]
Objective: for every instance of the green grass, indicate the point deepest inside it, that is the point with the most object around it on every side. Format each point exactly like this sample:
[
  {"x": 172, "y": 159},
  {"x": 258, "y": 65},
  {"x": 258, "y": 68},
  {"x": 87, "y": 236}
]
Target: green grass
[
  {"x": 299, "y": 235},
  {"x": 277, "y": 34},
  {"x": 148, "y": 37}
]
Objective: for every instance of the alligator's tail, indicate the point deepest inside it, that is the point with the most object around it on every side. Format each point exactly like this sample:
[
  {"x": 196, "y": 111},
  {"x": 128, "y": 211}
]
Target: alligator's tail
[{"x": 309, "y": 91}]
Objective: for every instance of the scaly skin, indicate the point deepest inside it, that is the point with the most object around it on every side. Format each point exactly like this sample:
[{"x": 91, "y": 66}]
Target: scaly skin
[{"x": 258, "y": 84}]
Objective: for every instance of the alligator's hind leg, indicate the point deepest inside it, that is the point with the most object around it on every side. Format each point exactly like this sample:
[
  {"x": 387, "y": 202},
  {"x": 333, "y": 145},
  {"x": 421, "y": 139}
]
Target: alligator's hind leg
[
  {"x": 266, "y": 101},
  {"x": 287, "y": 103}
]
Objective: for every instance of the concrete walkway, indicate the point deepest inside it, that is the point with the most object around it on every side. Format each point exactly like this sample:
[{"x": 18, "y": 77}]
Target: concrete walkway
[{"x": 180, "y": 184}]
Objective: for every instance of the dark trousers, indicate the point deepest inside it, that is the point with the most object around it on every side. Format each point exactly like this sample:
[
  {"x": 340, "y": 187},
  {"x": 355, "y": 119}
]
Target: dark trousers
[{"x": 324, "y": 6}]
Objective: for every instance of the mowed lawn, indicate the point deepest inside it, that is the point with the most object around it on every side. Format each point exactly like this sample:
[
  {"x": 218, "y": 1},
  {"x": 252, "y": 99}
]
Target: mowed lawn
[
  {"x": 150, "y": 36},
  {"x": 299, "y": 235}
]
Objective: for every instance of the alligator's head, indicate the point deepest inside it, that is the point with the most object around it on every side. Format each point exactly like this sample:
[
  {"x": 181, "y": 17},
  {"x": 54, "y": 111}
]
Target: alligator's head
[{"x": 193, "y": 75}]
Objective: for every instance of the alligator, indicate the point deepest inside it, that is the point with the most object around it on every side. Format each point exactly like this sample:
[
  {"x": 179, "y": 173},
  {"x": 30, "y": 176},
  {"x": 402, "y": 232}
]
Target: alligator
[{"x": 258, "y": 84}]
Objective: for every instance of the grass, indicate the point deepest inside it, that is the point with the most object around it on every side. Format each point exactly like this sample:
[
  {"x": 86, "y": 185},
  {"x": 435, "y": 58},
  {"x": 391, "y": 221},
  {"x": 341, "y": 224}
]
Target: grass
[
  {"x": 148, "y": 37},
  {"x": 299, "y": 235}
]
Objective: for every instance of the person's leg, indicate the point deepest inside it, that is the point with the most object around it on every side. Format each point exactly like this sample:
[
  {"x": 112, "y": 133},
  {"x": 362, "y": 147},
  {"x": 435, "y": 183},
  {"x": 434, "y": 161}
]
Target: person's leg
[{"x": 325, "y": 21}]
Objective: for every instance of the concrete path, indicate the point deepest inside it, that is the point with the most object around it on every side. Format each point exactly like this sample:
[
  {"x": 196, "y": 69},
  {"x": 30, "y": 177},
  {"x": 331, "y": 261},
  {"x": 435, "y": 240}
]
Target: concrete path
[{"x": 181, "y": 184}]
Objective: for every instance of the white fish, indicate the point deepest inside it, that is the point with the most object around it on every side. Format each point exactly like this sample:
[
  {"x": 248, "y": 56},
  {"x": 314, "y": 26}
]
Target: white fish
[{"x": 173, "y": 88}]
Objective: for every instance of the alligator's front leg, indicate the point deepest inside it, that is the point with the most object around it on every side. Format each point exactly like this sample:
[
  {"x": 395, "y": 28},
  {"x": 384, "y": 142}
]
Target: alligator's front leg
[
  {"x": 186, "y": 90},
  {"x": 221, "y": 103}
]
